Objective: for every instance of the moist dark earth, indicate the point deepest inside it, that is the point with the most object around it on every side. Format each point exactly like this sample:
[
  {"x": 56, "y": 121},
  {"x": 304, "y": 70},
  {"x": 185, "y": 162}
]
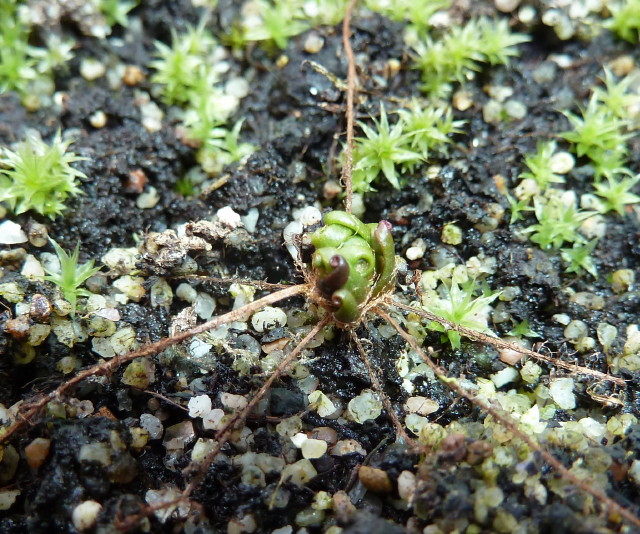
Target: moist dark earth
[{"x": 294, "y": 129}]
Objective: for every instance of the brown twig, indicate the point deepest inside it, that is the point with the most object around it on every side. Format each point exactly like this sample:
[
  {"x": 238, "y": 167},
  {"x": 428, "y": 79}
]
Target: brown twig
[
  {"x": 510, "y": 425},
  {"x": 33, "y": 410},
  {"x": 377, "y": 386},
  {"x": 223, "y": 435},
  {"x": 501, "y": 344},
  {"x": 351, "y": 89}
]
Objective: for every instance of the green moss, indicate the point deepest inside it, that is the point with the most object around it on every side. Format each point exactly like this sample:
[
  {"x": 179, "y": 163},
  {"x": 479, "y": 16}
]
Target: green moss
[
  {"x": 454, "y": 56},
  {"x": 39, "y": 177},
  {"x": 71, "y": 275}
]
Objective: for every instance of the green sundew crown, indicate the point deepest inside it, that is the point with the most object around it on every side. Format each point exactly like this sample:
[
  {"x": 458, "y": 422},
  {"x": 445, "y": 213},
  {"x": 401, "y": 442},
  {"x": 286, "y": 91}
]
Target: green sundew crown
[
  {"x": 38, "y": 176},
  {"x": 355, "y": 262}
]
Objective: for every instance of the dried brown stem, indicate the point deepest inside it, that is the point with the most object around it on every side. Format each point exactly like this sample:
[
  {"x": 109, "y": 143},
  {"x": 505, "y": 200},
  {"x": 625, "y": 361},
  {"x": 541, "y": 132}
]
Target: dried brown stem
[
  {"x": 385, "y": 399},
  {"x": 509, "y": 424},
  {"x": 351, "y": 89},
  {"x": 501, "y": 344},
  {"x": 223, "y": 435},
  {"x": 31, "y": 411},
  {"x": 260, "y": 284}
]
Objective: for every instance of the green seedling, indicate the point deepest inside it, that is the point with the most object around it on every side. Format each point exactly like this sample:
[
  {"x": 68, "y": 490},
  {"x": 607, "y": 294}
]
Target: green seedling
[
  {"x": 625, "y": 22},
  {"x": 558, "y": 223},
  {"x": 454, "y": 56},
  {"x": 39, "y": 177},
  {"x": 71, "y": 275},
  {"x": 540, "y": 166},
  {"x": 460, "y": 307},
  {"x": 578, "y": 258},
  {"x": 381, "y": 151},
  {"x": 617, "y": 194}
]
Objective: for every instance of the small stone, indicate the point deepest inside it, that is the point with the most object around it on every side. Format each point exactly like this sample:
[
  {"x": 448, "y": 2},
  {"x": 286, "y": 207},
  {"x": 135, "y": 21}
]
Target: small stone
[
  {"x": 374, "y": 479},
  {"x": 40, "y": 308},
  {"x": 133, "y": 75},
  {"x": 406, "y": 485},
  {"x": 186, "y": 292},
  {"x": 313, "y": 43},
  {"x": 462, "y": 100},
  {"x": 505, "y": 376},
  {"x": 67, "y": 364},
  {"x": 451, "y": 234},
  {"x": 100, "y": 327},
  {"x": 309, "y": 518},
  {"x": 606, "y": 335},
  {"x": 161, "y": 294},
  {"x": 507, "y": 6},
  {"x": 92, "y": 69},
  {"x": 152, "y": 116},
  {"x": 591, "y": 301},
  {"x": 213, "y": 420},
  {"x": 250, "y": 220},
  {"x": 121, "y": 260},
  {"x": 199, "y": 348},
  {"x": 131, "y": 287},
  {"x": 233, "y": 402},
  {"x": 37, "y": 452},
  {"x": 347, "y": 446},
  {"x": 421, "y": 405},
  {"x": 12, "y": 234},
  {"x": 527, "y": 188},
  {"x": 492, "y": 112},
  {"x": 152, "y": 425},
  {"x": 309, "y": 216},
  {"x": 585, "y": 344},
  {"x": 526, "y": 14},
  {"x": 545, "y": 72},
  {"x": 139, "y": 373},
  {"x": 244, "y": 525},
  {"x": 18, "y": 328},
  {"x": 562, "y": 162},
  {"x": 365, "y": 406},
  {"x": 622, "y": 280},
  {"x": 561, "y": 391},
  {"x": 179, "y": 435},
  {"x": 204, "y": 306},
  {"x": 98, "y": 119},
  {"x": 38, "y": 333},
  {"x": 38, "y": 234},
  {"x": 268, "y": 318},
  {"x": 299, "y": 473},
  {"x": 148, "y": 199},
  {"x": 515, "y": 109},
  {"x": 8, "y": 497},
  {"x": 562, "y": 318},
  {"x": 124, "y": 340},
  {"x": 103, "y": 347},
  {"x": 313, "y": 448},
  {"x": 622, "y": 65},
  {"x": 229, "y": 217},
  {"x": 32, "y": 269},
  {"x": 199, "y": 406},
  {"x": 85, "y": 515},
  {"x": 319, "y": 402},
  {"x": 575, "y": 330}
]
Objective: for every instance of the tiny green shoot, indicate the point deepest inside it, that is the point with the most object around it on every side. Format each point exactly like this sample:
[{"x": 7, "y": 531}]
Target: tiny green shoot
[{"x": 71, "y": 275}]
